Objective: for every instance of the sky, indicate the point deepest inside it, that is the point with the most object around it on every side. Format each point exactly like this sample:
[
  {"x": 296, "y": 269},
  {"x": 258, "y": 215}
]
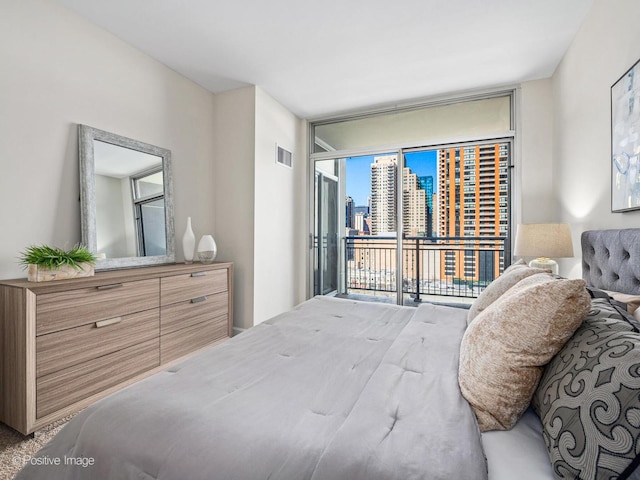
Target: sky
[{"x": 422, "y": 163}]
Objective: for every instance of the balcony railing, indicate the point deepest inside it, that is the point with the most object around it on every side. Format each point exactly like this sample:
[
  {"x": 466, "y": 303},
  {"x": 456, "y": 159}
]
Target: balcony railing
[{"x": 443, "y": 266}]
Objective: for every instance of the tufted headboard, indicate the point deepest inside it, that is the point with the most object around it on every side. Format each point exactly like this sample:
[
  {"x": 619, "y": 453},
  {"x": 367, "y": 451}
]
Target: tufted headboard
[{"x": 611, "y": 259}]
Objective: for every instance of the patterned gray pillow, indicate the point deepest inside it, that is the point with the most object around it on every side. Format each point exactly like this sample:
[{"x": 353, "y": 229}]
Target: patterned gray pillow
[{"x": 588, "y": 399}]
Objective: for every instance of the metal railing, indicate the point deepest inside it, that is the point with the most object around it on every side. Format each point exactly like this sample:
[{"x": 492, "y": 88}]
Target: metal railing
[{"x": 443, "y": 266}]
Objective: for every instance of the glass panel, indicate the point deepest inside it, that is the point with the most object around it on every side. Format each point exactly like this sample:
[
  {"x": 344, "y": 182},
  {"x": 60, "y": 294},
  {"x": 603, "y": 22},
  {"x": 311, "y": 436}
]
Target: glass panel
[
  {"x": 455, "y": 234},
  {"x": 151, "y": 228},
  {"x": 149, "y": 185},
  {"x": 418, "y": 126},
  {"x": 327, "y": 226},
  {"x": 371, "y": 233}
]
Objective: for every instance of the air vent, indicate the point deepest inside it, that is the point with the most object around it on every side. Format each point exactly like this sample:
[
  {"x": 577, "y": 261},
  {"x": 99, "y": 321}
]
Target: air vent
[{"x": 283, "y": 157}]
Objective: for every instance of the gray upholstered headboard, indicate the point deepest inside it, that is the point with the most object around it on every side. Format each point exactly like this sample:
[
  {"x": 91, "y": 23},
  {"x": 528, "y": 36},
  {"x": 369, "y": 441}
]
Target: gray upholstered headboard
[{"x": 611, "y": 259}]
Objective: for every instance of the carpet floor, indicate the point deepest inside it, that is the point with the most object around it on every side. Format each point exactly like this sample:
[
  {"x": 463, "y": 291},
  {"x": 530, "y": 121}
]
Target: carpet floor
[{"x": 16, "y": 449}]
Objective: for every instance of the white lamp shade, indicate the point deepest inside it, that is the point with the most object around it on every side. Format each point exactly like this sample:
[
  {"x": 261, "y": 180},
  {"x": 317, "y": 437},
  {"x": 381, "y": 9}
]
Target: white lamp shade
[{"x": 550, "y": 240}]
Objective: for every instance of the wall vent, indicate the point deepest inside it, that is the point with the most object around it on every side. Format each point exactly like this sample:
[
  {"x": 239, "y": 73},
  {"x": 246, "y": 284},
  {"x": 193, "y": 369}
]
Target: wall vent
[{"x": 283, "y": 156}]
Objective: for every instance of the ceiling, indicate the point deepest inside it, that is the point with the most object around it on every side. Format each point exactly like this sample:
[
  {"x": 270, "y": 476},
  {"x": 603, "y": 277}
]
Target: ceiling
[
  {"x": 323, "y": 57},
  {"x": 121, "y": 162}
]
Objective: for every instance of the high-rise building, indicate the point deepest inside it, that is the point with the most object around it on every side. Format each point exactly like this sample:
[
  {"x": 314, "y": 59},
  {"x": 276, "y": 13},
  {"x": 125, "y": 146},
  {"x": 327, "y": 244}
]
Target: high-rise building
[
  {"x": 383, "y": 194},
  {"x": 361, "y": 223},
  {"x": 350, "y": 212},
  {"x": 473, "y": 202},
  {"x": 414, "y": 205},
  {"x": 426, "y": 183},
  {"x": 416, "y": 199},
  {"x": 435, "y": 224}
]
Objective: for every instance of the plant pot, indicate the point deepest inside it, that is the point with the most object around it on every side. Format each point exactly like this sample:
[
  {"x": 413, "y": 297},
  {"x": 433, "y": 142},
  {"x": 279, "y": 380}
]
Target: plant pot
[{"x": 37, "y": 273}]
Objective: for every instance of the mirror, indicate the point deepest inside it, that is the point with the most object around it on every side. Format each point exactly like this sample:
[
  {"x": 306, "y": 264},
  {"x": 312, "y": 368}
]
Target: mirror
[{"x": 126, "y": 200}]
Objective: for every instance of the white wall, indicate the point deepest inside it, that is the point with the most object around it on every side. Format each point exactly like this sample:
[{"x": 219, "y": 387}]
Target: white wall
[
  {"x": 234, "y": 128},
  {"x": 280, "y": 210},
  {"x": 260, "y": 206},
  {"x": 533, "y": 173},
  {"x": 58, "y": 70},
  {"x": 606, "y": 46},
  {"x": 111, "y": 231}
]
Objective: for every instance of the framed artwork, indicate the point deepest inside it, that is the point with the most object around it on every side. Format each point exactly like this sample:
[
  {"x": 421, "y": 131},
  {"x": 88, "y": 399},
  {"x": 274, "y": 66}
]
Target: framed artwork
[{"x": 625, "y": 141}]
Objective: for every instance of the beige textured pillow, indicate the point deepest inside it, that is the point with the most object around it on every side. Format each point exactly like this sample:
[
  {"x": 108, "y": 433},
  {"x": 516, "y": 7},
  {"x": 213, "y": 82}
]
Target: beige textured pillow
[
  {"x": 512, "y": 275},
  {"x": 505, "y": 348}
]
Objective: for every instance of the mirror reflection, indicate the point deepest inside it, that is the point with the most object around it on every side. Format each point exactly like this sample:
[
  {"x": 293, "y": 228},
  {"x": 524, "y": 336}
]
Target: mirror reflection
[
  {"x": 129, "y": 202},
  {"x": 126, "y": 199}
]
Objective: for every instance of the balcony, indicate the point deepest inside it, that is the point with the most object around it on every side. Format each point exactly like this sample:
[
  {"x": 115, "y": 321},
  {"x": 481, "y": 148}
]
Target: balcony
[{"x": 445, "y": 269}]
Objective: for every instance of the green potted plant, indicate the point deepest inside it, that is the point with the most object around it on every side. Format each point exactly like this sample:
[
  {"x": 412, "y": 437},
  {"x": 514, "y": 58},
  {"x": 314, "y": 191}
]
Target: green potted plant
[{"x": 45, "y": 263}]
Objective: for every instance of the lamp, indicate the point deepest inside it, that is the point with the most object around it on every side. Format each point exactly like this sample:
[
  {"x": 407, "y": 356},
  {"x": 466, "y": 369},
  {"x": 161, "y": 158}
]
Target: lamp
[{"x": 544, "y": 240}]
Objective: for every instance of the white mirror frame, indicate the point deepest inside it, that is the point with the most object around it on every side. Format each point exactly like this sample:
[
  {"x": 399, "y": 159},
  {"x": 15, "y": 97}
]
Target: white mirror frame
[{"x": 86, "y": 136}]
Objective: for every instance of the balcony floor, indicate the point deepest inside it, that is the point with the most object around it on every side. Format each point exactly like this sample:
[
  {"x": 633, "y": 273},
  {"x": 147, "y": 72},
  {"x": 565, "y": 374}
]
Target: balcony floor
[{"x": 461, "y": 302}]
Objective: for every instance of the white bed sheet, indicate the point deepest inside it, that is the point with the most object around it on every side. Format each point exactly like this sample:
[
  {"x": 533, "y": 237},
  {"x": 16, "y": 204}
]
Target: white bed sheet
[{"x": 519, "y": 453}]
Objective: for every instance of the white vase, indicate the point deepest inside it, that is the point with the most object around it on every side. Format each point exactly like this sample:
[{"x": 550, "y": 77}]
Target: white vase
[
  {"x": 188, "y": 242},
  {"x": 207, "y": 249}
]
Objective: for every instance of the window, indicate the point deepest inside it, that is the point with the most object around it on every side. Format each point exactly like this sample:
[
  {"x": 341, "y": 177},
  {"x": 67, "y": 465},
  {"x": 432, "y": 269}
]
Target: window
[
  {"x": 421, "y": 199},
  {"x": 148, "y": 202}
]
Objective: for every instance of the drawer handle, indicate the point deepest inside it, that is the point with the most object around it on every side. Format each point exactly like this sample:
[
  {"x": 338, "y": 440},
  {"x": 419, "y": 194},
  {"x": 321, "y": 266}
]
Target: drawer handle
[
  {"x": 109, "y": 287},
  {"x": 110, "y": 321},
  {"x": 198, "y": 274},
  {"x": 199, "y": 299}
]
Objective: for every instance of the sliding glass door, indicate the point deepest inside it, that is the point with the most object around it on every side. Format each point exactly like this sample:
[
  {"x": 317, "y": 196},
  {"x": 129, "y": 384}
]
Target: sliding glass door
[
  {"x": 327, "y": 236},
  {"x": 355, "y": 227},
  {"x": 456, "y": 219},
  {"x": 422, "y": 223}
]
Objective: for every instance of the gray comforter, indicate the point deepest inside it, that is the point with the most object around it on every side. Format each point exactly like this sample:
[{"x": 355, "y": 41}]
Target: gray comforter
[{"x": 334, "y": 389}]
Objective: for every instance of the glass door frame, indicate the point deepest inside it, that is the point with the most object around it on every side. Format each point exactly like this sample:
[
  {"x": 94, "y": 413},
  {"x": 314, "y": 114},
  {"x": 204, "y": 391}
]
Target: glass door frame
[
  {"x": 321, "y": 257},
  {"x": 511, "y": 185},
  {"x": 341, "y": 157},
  {"x": 340, "y": 160},
  {"x": 513, "y": 188}
]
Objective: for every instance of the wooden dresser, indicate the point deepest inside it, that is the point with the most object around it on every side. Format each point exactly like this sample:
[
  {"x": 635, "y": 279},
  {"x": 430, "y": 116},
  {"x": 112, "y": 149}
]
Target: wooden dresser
[{"x": 67, "y": 343}]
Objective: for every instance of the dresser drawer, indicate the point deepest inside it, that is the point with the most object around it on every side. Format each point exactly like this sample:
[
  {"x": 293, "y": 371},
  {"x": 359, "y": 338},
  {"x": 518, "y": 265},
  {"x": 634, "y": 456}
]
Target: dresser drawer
[
  {"x": 71, "y": 308},
  {"x": 182, "y": 342},
  {"x": 65, "y": 348},
  {"x": 184, "y": 314},
  {"x": 179, "y": 288},
  {"x": 72, "y": 384}
]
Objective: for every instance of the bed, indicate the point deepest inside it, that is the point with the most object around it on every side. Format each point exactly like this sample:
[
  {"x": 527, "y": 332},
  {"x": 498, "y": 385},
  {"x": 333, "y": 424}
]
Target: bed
[{"x": 341, "y": 389}]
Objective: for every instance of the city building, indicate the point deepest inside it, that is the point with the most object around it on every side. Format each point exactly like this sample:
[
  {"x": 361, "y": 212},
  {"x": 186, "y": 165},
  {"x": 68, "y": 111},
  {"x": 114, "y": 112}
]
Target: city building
[
  {"x": 350, "y": 212},
  {"x": 415, "y": 202},
  {"x": 361, "y": 224},
  {"x": 473, "y": 202},
  {"x": 383, "y": 194},
  {"x": 426, "y": 183}
]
